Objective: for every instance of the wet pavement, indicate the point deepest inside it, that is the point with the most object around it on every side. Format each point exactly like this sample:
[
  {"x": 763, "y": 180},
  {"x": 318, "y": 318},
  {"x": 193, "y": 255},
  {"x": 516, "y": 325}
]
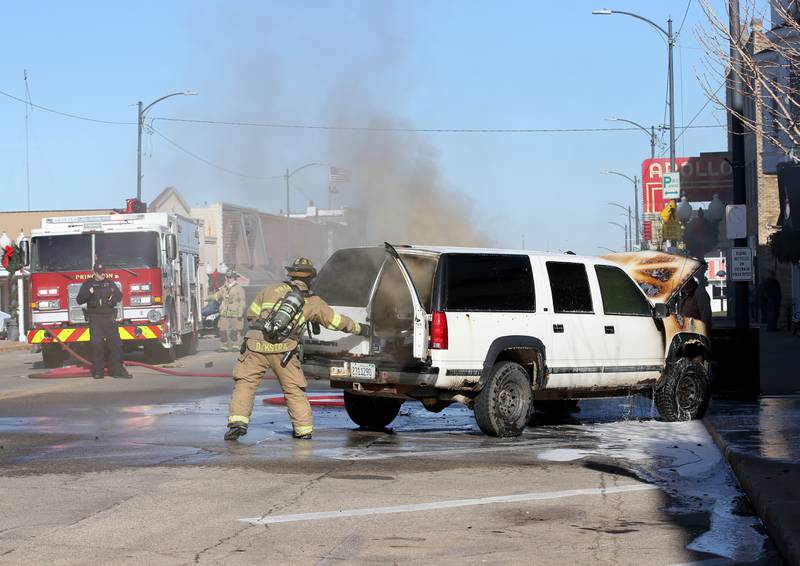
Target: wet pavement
[
  {"x": 761, "y": 442},
  {"x": 767, "y": 428},
  {"x": 136, "y": 471}
]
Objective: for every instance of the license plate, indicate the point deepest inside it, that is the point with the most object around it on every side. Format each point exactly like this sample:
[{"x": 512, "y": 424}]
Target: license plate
[{"x": 362, "y": 371}]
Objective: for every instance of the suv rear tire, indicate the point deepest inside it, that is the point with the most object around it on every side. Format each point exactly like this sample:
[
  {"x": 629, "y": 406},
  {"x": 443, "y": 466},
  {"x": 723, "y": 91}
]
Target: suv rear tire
[
  {"x": 371, "y": 412},
  {"x": 504, "y": 405},
  {"x": 683, "y": 393}
]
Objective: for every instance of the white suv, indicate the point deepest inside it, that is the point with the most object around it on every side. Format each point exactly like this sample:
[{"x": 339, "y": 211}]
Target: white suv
[{"x": 500, "y": 330}]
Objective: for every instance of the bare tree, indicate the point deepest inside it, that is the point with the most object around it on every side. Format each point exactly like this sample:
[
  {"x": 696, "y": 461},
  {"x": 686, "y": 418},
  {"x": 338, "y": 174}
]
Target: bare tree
[{"x": 770, "y": 68}]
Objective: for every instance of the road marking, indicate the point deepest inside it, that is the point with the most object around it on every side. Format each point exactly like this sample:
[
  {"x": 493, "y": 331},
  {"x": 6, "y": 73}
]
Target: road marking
[
  {"x": 362, "y": 454},
  {"x": 708, "y": 562},
  {"x": 415, "y": 507}
]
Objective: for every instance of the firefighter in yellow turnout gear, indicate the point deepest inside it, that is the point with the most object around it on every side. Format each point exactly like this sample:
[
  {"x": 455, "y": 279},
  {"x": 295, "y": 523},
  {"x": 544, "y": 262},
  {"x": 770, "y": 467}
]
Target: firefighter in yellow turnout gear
[
  {"x": 261, "y": 353},
  {"x": 231, "y": 311}
]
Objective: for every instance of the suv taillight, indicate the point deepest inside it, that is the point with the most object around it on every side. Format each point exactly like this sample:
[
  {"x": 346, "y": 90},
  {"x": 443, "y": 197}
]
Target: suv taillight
[{"x": 439, "y": 331}]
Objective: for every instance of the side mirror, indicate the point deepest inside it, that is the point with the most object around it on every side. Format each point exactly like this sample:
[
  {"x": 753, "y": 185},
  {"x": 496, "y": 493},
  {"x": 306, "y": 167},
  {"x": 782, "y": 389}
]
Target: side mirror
[
  {"x": 25, "y": 249},
  {"x": 171, "y": 244},
  {"x": 661, "y": 310}
]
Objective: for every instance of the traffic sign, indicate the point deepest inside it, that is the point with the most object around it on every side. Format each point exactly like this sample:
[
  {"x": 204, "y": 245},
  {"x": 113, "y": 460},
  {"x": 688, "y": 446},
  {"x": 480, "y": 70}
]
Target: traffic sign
[
  {"x": 735, "y": 221},
  {"x": 741, "y": 264},
  {"x": 671, "y": 184},
  {"x": 672, "y": 230}
]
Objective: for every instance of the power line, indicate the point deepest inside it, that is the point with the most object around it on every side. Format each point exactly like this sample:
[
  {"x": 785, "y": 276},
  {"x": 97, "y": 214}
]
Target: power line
[
  {"x": 685, "y": 12},
  {"x": 405, "y": 130},
  {"x": 28, "y": 104},
  {"x": 344, "y": 128},
  {"x": 66, "y": 114},
  {"x": 211, "y": 164},
  {"x": 703, "y": 107}
]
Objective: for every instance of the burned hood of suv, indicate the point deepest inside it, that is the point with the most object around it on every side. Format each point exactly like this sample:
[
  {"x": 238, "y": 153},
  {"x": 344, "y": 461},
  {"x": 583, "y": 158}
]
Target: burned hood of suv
[{"x": 659, "y": 274}]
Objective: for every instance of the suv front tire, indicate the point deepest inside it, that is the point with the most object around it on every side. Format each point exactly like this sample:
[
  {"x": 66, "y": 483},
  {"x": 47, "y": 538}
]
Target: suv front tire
[
  {"x": 683, "y": 393},
  {"x": 504, "y": 405}
]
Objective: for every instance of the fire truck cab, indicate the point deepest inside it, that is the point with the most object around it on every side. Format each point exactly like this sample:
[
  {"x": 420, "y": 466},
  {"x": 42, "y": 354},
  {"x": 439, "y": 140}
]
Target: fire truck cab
[{"x": 152, "y": 257}]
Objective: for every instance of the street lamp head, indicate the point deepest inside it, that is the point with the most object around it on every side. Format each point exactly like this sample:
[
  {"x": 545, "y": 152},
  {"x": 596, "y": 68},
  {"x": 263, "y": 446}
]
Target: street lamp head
[
  {"x": 603, "y": 12},
  {"x": 189, "y": 93}
]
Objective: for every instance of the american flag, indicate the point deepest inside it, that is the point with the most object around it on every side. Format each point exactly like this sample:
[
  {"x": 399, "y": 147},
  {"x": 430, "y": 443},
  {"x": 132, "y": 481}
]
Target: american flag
[{"x": 338, "y": 175}]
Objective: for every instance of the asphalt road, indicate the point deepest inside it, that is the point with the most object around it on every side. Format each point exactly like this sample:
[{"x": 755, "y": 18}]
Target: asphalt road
[{"x": 136, "y": 472}]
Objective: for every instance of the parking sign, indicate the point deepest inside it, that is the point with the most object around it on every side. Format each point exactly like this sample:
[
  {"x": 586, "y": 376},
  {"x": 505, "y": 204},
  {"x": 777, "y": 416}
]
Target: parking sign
[{"x": 672, "y": 184}]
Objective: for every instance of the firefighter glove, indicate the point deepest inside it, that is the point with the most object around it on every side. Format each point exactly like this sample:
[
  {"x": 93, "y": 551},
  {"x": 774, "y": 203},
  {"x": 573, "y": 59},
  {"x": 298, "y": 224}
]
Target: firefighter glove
[{"x": 363, "y": 329}]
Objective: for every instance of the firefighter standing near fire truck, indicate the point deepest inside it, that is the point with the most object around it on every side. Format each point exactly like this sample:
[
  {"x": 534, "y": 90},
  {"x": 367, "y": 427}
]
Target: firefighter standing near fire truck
[
  {"x": 231, "y": 312},
  {"x": 264, "y": 349},
  {"x": 101, "y": 296}
]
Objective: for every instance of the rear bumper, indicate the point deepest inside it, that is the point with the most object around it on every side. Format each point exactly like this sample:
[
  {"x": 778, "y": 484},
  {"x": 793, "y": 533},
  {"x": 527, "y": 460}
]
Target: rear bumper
[
  {"x": 337, "y": 371},
  {"x": 81, "y": 333}
]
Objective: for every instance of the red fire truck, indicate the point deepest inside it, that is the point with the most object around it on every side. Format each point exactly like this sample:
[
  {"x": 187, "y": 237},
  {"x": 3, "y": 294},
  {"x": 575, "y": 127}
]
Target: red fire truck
[{"x": 152, "y": 257}]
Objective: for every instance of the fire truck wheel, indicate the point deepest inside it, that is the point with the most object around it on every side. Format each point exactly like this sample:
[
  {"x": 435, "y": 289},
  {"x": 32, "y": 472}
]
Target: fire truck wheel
[
  {"x": 156, "y": 353},
  {"x": 189, "y": 345},
  {"x": 53, "y": 356}
]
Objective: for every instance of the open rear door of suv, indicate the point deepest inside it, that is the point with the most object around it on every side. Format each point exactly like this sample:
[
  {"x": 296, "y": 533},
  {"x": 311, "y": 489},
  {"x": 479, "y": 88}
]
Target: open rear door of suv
[{"x": 420, "y": 316}]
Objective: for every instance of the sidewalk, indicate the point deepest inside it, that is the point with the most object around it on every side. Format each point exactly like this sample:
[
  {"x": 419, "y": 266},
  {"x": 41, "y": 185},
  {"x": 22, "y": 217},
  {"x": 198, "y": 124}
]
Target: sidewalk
[
  {"x": 761, "y": 441},
  {"x": 12, "y": 346}
]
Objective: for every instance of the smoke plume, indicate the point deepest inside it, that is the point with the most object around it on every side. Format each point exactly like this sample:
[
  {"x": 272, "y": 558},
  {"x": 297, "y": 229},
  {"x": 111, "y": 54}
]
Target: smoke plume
[{"x": 397, "y": 184}]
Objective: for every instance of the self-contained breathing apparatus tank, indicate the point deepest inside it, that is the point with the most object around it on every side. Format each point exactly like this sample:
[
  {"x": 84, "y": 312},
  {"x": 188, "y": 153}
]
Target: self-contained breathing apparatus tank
[{"x": 284, "y": 317}]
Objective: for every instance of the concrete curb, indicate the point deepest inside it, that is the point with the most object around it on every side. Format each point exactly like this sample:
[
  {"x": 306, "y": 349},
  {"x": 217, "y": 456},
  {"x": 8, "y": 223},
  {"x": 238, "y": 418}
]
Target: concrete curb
[
  {"x": 774, "y": 490},
  {"x": 6, "y": 346}
]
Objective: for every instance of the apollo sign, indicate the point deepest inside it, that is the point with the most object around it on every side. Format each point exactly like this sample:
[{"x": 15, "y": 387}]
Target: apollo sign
[{"x": 700, "y": 178}]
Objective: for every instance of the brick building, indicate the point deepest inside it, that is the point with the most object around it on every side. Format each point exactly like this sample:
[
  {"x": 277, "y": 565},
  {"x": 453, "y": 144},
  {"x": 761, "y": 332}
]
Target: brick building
[{"x": 761, "y": 159}]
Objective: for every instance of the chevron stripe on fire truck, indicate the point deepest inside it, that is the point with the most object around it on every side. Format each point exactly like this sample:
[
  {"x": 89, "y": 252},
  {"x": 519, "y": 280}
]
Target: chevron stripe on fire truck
[{"x": 146, "y": 332}]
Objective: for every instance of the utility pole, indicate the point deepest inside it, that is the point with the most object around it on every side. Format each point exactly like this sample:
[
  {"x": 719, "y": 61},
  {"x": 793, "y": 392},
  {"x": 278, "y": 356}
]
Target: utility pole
[
  {"x": 288, "y": 222},
  {"x": 139, "y": 155},
  {"x": 736, "y": 101},
  {"x": 671, "y": 43},
  {"x": 652, "y": 142},
  {"x": 140, "y": 121}
]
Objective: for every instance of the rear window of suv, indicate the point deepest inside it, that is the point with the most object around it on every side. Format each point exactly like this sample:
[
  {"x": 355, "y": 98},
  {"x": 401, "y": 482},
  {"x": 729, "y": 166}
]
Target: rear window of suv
[{"x": 487, "y": 282}]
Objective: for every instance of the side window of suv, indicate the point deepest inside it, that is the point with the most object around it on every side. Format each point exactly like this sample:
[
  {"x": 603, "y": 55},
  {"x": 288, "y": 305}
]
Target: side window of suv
[
  {"x": 620, "y": 294},
  {"x": 569, "y": 285},
  {"x": 488, "y": 282}
]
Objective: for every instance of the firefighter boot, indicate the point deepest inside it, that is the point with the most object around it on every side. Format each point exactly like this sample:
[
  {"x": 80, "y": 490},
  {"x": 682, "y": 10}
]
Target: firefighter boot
[
  {"x": 121, "y": 373},
  {"x": 235, "y": 430}
]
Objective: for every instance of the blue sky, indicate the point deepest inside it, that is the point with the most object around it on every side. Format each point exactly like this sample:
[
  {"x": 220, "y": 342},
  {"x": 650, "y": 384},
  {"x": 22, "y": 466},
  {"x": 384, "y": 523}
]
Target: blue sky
[{"x": 427, "y": 64}]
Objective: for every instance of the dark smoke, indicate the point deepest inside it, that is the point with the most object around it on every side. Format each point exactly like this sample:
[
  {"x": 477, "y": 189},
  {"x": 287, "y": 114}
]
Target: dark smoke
[{"x": 397, "y": 184}]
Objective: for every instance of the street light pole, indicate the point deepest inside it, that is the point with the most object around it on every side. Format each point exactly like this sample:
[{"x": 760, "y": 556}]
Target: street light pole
[
  {"x": 635, "y": 181},
  {"x": 288, "y": 175},
  {"x": 670, "y": 43},
  {"x": 626, "y": 209},
  {"x": 625, "y": 230},
  {"x": 140, "y": 122},
  {"x": 651, "y": 133}
]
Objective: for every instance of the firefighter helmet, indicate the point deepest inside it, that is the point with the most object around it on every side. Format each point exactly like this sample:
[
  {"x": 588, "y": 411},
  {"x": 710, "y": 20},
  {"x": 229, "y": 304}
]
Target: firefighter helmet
[{"x": 301, "y": 267}]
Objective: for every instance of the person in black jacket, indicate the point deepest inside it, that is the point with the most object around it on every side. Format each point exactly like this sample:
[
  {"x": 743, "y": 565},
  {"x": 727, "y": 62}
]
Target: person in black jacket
[
  {"x": 695, "y": 303},
  {"x": 101, "y": 296}
]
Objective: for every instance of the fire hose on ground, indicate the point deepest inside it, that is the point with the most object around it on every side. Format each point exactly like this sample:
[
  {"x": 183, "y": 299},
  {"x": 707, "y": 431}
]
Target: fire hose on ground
[{"x": 85, "y": 371}]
